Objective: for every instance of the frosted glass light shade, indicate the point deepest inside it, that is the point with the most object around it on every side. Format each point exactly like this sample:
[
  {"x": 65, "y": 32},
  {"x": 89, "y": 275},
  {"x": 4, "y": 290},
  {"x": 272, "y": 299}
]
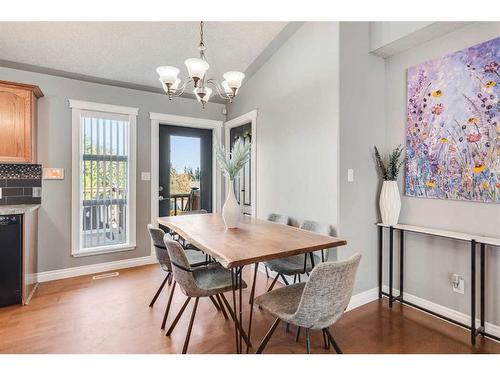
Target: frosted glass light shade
[
  {"x": 168, "y": 74},
  {"x": 173, "y": 87},
  {"x": 234, "y": 79},
  {"x": 199, "y": 91},
  {"x": 196, "y": 67},
  {"x": 227, "y": 89}
]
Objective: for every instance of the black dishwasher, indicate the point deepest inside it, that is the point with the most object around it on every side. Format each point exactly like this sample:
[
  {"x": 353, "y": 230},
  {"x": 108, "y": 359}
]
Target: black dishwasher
[{"x": 11, "y": 238}]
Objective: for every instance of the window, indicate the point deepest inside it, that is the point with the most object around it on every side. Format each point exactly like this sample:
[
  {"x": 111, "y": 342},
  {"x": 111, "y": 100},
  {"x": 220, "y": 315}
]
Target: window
[{"x": 103, "y": 209}]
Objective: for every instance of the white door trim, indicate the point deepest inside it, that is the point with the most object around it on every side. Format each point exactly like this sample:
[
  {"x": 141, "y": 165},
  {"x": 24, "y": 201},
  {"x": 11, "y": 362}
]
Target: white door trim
[
  {"x": 191, "y": 122},
  {"x": 238, "y": 121}
]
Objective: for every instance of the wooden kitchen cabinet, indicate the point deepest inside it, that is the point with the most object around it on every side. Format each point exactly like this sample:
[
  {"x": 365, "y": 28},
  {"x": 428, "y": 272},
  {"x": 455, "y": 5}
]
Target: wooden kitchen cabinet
[{"x": 18, "y": 122}]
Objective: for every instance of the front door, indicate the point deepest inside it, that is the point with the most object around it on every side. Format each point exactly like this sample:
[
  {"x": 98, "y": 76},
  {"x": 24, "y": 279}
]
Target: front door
[{"x": 185, "y": 176}]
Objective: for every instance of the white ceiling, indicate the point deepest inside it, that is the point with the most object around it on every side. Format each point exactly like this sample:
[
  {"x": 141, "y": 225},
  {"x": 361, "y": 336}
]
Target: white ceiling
[{"x": 131, "y": 51}]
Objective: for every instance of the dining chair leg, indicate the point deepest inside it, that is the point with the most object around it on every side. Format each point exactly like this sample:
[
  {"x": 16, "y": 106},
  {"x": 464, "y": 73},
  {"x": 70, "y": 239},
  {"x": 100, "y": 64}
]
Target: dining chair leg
[
  {"x": 284, "y": 279},
  {"x": 170, "y": 278},
  {"x": 169, "y": 303},
  {"x": 268, "y": 335},
  {"x": 221, "y": 306},
  {"x": 334, "y": 343},
  {"x": 287, "y": 328},
  {"x": 159, "y": 290},
  {"x": 214, "y": 302},
  {"x": 179, "y": 314},
  {"x": 267, "y": 272},
  {"x": 326, "y": 342},
  {"x": 300, "y": 279},
  {"x": 188, "y": 334},
  {"x": 294, "y": 279},
  {"x": 298, "y": 335},
  {"x": 308, "y": 341},
  {"x": 274, "y": 282}
]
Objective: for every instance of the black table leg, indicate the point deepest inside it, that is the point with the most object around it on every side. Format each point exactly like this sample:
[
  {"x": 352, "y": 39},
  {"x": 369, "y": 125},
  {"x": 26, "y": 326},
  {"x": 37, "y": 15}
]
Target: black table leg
[
  {"x": 473, "y": 293},
  {"x": 240, "y": 305},
  {"x": 252, "y": 296},
  {"x": 380, "y": 245},
  {"x": 391, "y": 259},
  {"x": 483, "y": 286},
  {"x": 401, "y": 261},
  {"x": 234, "y": 286}
]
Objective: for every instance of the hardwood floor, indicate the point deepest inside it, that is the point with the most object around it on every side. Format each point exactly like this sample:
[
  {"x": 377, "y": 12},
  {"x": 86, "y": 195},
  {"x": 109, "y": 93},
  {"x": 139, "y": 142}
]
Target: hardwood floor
[{"x": 80, "y": 315}]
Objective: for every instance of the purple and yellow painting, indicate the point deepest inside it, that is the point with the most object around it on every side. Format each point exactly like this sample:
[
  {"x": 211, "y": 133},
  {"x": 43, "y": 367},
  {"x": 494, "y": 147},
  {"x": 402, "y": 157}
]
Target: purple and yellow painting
[{"x": 453, "y": 127}]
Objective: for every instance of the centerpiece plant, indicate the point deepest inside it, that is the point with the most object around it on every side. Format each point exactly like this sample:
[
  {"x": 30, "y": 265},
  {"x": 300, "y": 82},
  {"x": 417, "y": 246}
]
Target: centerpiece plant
[
  {"x": 388, "y": 168},
  {"x": 231, "y": 163}
]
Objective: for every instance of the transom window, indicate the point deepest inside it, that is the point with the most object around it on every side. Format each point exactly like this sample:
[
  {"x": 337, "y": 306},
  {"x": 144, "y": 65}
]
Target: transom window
[{"x": 104, "y": 185}]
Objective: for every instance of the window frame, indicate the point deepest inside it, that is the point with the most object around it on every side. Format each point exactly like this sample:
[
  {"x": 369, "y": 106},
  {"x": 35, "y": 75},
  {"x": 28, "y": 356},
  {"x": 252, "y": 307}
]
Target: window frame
[{"x": 77, "y": 106}]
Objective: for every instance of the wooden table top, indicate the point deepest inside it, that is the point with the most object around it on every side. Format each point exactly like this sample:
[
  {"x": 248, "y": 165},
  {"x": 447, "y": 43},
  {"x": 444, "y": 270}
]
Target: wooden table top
[{"x": 253, "y": 241}]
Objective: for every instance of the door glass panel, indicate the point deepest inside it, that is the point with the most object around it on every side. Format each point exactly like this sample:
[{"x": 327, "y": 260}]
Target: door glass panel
[{"x": 185, "y": 173}]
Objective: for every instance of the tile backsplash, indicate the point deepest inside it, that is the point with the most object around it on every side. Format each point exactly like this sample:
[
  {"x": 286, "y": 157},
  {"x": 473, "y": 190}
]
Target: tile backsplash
[{"x": 20, "y": 183}]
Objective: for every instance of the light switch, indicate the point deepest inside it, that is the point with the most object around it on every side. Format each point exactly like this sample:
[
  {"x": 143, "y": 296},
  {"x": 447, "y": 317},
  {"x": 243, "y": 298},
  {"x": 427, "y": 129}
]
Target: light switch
[
  {"x": 145, "y": 176},
  {"x": 350, "y": 175},
  {"x": 36, "y": 192}
]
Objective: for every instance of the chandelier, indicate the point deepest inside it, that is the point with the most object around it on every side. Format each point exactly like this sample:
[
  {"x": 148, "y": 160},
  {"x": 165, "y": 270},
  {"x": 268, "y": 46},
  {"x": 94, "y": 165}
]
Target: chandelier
[{"x": 197, "y": 70}]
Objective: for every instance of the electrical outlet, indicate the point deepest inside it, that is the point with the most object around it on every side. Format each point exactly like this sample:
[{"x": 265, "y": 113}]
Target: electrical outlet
[
  {"x": 458, "y": 283},
  {"x": 145, "y": 176},
  {"x": 37, "y": 192}
]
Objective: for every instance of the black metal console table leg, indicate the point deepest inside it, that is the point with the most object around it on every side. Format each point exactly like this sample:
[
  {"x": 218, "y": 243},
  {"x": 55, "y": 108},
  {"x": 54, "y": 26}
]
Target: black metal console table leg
[
  {"x": 483, "y": 285},
  {"x": 401, "y": 262},
  {"x": 473, "y": 293},
  {"x": 391, "y": 259},
  {"x": 380, "y": 247}
]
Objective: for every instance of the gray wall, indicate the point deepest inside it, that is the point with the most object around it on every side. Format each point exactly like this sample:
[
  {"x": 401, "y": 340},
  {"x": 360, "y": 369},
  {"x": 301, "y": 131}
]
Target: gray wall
[
  {"x": 296, "y": 94},
  {"x": 362, "y": 126},
  {"x": 54, "y": 150},
  {"x": 430, "y": 261}
]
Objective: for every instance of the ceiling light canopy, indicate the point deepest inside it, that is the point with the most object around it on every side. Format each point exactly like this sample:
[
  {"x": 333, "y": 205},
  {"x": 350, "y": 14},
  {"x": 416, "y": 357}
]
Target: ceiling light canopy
[{"x": 197, "y": 69}]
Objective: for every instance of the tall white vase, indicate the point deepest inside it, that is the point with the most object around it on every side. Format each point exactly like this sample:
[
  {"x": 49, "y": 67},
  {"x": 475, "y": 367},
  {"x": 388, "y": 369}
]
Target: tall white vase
[
  {"x": 231, "y": 210},
  {"x": 390, "y": 203}
]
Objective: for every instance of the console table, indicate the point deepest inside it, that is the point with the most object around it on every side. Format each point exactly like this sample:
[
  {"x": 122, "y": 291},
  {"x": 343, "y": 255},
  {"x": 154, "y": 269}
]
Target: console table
[{"x": 473, "y": 239}]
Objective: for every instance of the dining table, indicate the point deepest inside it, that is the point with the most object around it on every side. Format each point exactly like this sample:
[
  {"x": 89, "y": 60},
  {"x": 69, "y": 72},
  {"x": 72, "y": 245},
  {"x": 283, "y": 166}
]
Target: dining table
[{"x": 252, "y": 242}]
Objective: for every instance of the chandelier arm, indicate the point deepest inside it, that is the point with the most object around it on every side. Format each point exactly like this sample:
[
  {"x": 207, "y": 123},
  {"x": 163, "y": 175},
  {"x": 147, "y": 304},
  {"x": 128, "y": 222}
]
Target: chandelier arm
[
  {"x": 181, "y": 90},
  {"x": 219, "y": 89}
]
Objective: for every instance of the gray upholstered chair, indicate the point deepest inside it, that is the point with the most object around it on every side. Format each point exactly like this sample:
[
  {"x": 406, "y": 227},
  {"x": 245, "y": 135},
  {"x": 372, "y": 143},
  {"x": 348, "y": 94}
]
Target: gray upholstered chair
[
  {"x": 301, "y": 264},
  {"x": 280, "y": 219},
  {"x": 195, "y": 258},
  {"x": 211, "y": 281},
  {"x": 316, "y": 304}
]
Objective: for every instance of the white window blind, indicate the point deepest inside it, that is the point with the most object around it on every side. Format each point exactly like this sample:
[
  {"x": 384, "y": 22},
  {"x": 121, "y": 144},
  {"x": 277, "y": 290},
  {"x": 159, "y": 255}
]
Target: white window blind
[{"x": 104, "y": 188}]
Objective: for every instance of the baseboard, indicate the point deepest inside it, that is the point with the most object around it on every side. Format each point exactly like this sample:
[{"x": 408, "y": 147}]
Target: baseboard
[
  {"x": 362, "y": 298},
  {"x": 94, "y": 268},
  {"x": 445, "y": 311}
]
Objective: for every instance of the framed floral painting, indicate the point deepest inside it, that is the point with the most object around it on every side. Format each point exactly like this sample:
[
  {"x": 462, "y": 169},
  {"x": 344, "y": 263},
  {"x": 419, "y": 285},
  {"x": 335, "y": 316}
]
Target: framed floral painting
[{"x": 453, "y": 126}]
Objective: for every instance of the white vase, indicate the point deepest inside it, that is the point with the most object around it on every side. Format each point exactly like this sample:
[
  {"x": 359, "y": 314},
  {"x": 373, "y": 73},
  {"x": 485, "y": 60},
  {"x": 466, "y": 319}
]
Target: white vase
[
  {"x": 390, "y": 203},
  {"x": 231, "y": 210}
]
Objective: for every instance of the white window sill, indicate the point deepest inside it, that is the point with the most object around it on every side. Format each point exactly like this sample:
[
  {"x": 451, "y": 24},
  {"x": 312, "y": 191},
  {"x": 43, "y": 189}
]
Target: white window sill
[{"x": 102, "y": 250}]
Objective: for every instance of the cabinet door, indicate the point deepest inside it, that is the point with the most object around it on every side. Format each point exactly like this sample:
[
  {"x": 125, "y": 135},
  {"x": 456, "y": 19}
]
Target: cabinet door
[{"x": 16, "y": 110}]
